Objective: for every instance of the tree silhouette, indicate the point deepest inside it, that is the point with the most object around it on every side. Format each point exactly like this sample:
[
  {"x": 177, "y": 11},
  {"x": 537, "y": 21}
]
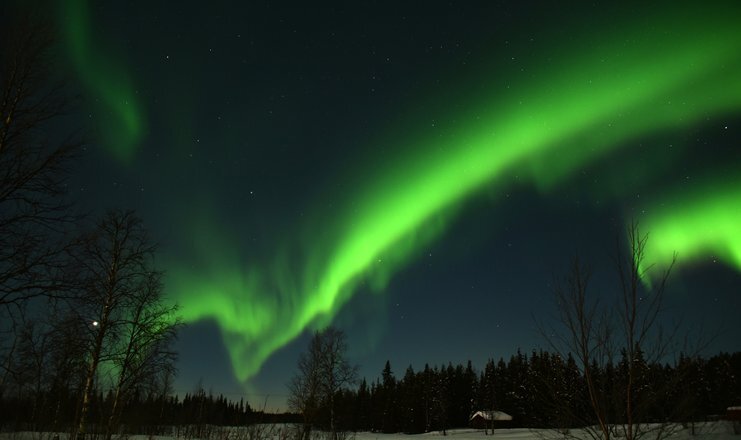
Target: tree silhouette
[
  {"x": 34, "y": 212},
  {"x": 33, "y": 165},
  {"x": 130, "y": 325},
  {"x": 596, "y": 334},
  {"x": 324, "y": 371}
]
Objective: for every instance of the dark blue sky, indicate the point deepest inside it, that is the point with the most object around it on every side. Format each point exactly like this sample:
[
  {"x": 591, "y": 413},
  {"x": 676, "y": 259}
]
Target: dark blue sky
[{"x": 256, "y": 114}]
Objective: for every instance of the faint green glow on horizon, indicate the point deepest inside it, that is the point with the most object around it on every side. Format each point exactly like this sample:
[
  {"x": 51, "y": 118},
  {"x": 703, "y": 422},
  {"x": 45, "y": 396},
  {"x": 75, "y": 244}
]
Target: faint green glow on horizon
[
  {"x": 554, "y": 123},
  {"x": 118, "y": 111}
]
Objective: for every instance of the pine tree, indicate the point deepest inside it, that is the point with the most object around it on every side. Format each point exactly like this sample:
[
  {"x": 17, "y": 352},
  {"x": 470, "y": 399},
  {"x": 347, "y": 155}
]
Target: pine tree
[
  {"x": 389, "y": 400},
  {"x": 363, "y": 411}
]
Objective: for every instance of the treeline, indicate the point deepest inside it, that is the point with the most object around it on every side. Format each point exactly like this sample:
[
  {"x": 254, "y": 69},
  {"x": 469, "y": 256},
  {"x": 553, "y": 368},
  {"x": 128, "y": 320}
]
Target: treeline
[
  {"x": 539, "y": 390},
  {"x": 542, "y": 390},
  {"x": 149, "y": 414}
]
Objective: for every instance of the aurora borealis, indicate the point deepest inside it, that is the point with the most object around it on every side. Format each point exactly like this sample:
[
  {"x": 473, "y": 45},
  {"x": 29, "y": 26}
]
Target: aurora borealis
[
  {"x": 696, "y": 226},
  {"x": 304, "y": 166},
  {"x": 105, "y": 80}
]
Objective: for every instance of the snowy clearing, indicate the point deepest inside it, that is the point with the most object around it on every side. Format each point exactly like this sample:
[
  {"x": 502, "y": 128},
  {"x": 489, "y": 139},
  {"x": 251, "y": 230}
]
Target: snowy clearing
[{"x": 721, "y": 430}]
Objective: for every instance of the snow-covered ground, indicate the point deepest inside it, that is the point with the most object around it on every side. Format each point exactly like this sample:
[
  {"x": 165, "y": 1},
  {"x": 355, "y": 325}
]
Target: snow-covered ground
[
  {"x": 721, "y": 430},
  {"x": 703, "y": 431}
]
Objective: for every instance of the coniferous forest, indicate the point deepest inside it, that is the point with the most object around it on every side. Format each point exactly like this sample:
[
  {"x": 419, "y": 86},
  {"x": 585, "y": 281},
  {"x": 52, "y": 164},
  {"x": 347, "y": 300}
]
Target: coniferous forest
[
  {"x": 149, "y": 414},
  {"x": 538, "y": 390}
]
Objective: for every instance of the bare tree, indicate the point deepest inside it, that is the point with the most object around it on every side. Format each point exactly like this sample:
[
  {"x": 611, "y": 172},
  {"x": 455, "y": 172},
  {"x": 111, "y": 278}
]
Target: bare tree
[
  {"x": 33, "y": 165},
  {"x": 305, "y": 387},
  {"x": 33, "y": 365},
  {"x": 33, "y": 171},
  {"x": 642, "y": 333},
  {"x": 323, "y": 371},
  {"x": 145, "y": 354},
  {"x": 67, "y": 359},
  {"x": 596, "y": 333},
  {"x": 586, "y": 334},
  {"x": 43, "y": 368},
  {"x": 336, "y": 372},
  {"x": 121, "y": 300}
]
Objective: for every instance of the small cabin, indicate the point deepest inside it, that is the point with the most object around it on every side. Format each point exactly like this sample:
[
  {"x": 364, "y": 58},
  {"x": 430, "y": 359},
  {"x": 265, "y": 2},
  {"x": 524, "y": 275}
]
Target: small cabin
[
  {"x": 490, "y": 419},
  {"x": 733, "y": 413}
]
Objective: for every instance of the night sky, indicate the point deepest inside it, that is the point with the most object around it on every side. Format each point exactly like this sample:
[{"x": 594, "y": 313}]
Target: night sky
[{"x": 415, "y": 173}]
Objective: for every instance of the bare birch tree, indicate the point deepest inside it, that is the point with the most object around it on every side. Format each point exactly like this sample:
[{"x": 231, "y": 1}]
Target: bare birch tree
[
  {"x": 586, "y": 334},
  {"x": 33, "y": 164},
  {"x": 323, "y": 371},
  {"x": 336, "y": 372},
  {"x": 145, "y": 354},
  {"x": 121, "y": 299},
  {"x": 305, "y": 387},
  {"x": 596, "y": 333}
]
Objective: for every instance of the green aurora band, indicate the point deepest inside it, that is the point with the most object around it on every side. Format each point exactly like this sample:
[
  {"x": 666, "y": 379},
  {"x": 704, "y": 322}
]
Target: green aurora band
[
  {"x": 543, "y": 129},
  {"x": 698, "y": 225},
  {"x": 119, "y": 114}
]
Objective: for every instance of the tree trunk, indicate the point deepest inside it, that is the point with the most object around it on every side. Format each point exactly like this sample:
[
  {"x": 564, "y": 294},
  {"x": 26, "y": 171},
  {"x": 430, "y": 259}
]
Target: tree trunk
[
  {"x": 112, "y": 418},
  {"x": 88, "y": 390},
  {"x": 90, "y": 379}
]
